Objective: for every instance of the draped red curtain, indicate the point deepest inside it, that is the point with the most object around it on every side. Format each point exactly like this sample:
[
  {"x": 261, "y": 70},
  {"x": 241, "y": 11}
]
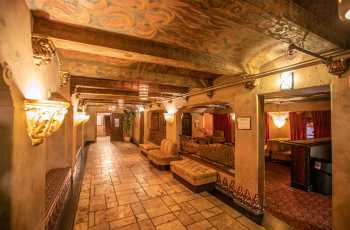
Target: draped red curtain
[
  {"x": 223, "y": 122},
  {"x": 297, "y": 126},
  {"x": 267, "y": 130},
  {"x": 322, "y": 123}
]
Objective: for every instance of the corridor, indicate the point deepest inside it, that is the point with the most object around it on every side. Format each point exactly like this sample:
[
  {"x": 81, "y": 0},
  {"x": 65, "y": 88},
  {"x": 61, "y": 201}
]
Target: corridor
[{"x": 121, "y": 190}]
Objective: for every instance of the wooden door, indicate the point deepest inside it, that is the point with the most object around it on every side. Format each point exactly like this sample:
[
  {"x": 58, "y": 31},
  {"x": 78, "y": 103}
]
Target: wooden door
[
  {"x": 107, "y": 123},
  {"x": 187, "y": 124},
  {"x": 116, "y": 127},
  {"x": 157, "y": 127},
  {"x": 142, "y": 126}
]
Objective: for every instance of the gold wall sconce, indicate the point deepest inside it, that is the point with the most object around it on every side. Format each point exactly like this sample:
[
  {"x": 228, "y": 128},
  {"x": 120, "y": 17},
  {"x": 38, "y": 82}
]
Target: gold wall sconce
[
  {"x": 44, "y": 117},
  {"x": 287, "y": 81},
  {"x": 81, "y": 118},
  {"x": 169, "y": 117}
]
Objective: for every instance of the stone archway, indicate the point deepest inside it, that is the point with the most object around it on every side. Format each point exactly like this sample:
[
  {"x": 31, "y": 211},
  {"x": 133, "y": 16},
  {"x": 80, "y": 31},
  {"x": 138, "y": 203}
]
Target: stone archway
[{"x": 6, "y": 129}]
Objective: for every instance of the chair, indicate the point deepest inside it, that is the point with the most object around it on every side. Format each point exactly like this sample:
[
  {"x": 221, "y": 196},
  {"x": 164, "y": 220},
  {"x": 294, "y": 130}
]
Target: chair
[{"x": 162, "y": 157}]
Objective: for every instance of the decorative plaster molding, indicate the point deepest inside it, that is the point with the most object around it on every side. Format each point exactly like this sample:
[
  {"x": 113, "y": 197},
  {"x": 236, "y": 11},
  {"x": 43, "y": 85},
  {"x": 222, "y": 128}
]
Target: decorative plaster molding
[
  {"x": 43, "y": 50},
  {"x": 64, "y": 78},
  {"x": 249, "y": 84},
  {"x": 338, "y": 67},
  {"x": 44, "y": 117}
]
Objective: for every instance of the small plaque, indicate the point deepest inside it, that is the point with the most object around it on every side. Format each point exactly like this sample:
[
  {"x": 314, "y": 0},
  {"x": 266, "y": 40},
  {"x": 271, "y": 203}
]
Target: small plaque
[{"x": 243, "y": 123}]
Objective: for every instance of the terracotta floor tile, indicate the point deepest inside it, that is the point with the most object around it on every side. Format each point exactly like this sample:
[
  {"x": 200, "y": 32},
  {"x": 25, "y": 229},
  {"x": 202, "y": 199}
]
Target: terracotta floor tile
[
  {"x": 174, "y": 225},
  {"x": 146, "y": 225},
  {"x": 184, "y": 218},
  {"x": 122, "y": 222},
  {"x": 201, "y": 204},
  {"x": 202, "y": 225},
  {"x": 134, "y": 226},
  {"x": 137, "y": 208},
  {"x": 163, "y": 219},
  {"x": 155, "y": 207},
  {"x": 127, "y": 199},
  {"x": 100, "y": 227},
  {"x": 211, "y": 212},
  {"x": 249, "y": 223},
  {"x": 119, "y": 212},
  {"x": 225, "y": 222}
]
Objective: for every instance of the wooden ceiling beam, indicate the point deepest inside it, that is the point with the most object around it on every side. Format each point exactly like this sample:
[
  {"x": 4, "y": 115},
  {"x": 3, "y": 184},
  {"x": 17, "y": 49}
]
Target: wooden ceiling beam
[
  {"x": 114, "y": 92},
  {"x": 102, "y": 70},
  {"x": 105, "y": 43},
  {"x": 94, "y": 83}
]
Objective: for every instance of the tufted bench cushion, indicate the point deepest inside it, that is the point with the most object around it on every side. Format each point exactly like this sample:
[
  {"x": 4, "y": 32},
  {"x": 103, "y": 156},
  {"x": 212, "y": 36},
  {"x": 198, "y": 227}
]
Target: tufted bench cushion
[
  {"x": 164, "y": 155},
  {"x": 145, "y": 148},
  {"x": 194, "y": 173}
]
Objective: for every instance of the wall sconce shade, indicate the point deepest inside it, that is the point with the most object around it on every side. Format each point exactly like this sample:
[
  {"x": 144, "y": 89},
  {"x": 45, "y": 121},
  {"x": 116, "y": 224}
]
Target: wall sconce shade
[
  {"x": 287, "y": 81},
  {"x": 233, "y": 116},
  {"x": 81, "y": 117},
  {"x": 279, "y": 119},
  {"x": 44, "y": 117},
  {"x": 169, "y": 117}
]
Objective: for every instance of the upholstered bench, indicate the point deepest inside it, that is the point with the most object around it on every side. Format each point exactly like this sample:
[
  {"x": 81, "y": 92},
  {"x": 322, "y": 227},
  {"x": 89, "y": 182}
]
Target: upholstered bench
[
  {"x": 145, "y": 148},
  {"x": 194, "y": 175},
  {"x": 162, "y": 157}
]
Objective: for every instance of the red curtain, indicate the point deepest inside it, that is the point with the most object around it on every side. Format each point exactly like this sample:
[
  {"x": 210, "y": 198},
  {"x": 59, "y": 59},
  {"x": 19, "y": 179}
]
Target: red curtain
[
  {"x": 322, "y": 123},
  {"x": 297, "y": 126},
  {"x": 223, "y": 122},
  {"x": 267, "y": 130}
]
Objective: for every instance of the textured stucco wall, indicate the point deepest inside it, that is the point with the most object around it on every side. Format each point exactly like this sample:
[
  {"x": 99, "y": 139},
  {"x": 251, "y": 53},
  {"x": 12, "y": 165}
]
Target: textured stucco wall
[
  {"x": 341, "y": 152},
  {"x": 26, "y": 173}
]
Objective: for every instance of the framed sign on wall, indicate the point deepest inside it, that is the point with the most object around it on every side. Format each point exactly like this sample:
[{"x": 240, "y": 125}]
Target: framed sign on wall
[{"x": 244, "y": 123}]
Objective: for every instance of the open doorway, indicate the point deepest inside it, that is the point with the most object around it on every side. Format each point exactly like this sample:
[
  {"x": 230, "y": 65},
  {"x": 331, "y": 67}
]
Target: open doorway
[{"x": 298, "y": 176}]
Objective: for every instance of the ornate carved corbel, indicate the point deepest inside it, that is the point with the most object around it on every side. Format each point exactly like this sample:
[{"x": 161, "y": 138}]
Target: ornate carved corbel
[
  {"x": 249, "y": 85},
  {"x": 5, "y": 72},
  {"x": 338, "y": 67},
  {"x": 210, "y": 93},
  {"x": 43, "y": 50},
  {"x": 64, "y": 78}
]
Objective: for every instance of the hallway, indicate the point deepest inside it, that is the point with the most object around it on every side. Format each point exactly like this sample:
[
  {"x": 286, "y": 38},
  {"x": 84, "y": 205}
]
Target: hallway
[{"x": 122, "y": 191}]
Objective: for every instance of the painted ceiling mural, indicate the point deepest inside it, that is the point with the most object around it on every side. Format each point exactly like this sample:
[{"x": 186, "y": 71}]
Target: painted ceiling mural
[{"x": 202, "y": 25}]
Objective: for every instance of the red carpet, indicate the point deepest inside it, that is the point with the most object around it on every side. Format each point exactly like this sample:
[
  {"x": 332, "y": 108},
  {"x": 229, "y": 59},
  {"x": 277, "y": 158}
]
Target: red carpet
[{"x": 302, "y": 210}]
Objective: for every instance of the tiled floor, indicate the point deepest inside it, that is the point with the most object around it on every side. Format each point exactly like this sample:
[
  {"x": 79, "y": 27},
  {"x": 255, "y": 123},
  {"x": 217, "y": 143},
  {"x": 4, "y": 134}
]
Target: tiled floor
[{"x": 121, "y": 190}]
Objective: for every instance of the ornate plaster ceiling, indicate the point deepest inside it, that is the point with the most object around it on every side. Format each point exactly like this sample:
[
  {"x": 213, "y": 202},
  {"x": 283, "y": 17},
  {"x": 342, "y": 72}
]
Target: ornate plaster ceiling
[{"x": 190, "y": 24}]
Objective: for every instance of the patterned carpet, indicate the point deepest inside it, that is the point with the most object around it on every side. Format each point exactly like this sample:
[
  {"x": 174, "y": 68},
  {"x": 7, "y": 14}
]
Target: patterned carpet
[
  {"x": 302, "y": 210},
  {"x": 54, "y": 181}
]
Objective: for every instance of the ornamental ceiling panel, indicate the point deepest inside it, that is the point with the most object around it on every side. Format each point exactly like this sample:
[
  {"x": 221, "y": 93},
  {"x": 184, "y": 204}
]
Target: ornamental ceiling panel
[{"x": 196, "y": 25}]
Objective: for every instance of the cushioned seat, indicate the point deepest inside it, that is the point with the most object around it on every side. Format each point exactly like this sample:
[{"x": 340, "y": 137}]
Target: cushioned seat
[
  {"x": 164, "y": 155},
  {"x": 194, "y": 175},
  {"x": 145, "y": 148}
]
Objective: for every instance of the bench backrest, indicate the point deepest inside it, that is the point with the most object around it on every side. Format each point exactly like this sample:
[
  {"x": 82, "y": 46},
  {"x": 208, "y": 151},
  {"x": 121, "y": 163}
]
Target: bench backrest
[{"x": 168, "y": 147}]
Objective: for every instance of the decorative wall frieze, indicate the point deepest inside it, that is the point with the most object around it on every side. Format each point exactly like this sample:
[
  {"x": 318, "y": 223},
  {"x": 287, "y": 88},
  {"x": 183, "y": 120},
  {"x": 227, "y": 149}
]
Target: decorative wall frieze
[
  {"x": 43, "y": 50},
  {"x": 241, "y": 195}
]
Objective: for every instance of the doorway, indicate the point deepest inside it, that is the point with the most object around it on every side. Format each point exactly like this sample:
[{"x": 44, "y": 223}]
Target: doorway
[
  {"x": 187, "y": 124},
  {"x": 297, "y": 157}
]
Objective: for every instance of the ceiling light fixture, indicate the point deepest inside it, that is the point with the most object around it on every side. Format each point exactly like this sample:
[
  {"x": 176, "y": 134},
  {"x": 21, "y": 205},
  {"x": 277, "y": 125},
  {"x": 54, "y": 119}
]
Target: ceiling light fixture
[
  {"x": 279, "y": 118},
  {"x": 344, "y": 10}
]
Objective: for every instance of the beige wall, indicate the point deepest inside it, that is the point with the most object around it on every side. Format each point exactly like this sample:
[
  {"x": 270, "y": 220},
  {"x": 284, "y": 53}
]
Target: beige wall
[
  {"x": 26, "y": 165},
  {"x": 244, "y": 103},
  {"x": 341, "y": 152}
]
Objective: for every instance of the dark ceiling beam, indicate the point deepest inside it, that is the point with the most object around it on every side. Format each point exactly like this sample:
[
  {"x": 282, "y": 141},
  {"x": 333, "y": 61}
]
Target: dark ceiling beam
[
  {"x": 135, "y": 65},
  {"x": 113, "y": 101},
  {"x": 114, "y": 92},
  {"x": 106, "y": 71},
  {"x": 95, "y": 41},
  {"x": 283, "y": 20},
  {"x": 78, "y": 81}
]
